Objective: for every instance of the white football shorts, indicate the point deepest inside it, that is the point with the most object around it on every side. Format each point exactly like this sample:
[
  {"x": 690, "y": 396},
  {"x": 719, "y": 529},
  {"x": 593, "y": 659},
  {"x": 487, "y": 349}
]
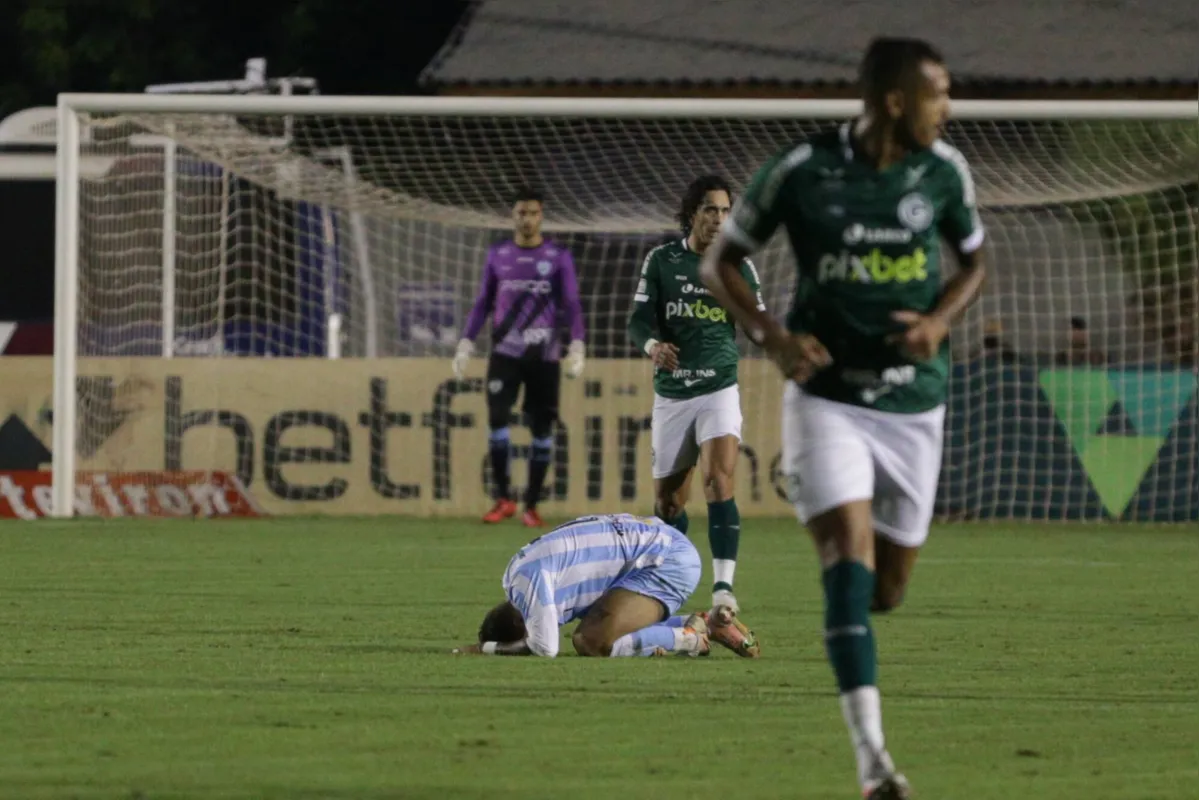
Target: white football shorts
[
  {"x": 835, "y": 453},
  {"x": 680, "y": 426}
]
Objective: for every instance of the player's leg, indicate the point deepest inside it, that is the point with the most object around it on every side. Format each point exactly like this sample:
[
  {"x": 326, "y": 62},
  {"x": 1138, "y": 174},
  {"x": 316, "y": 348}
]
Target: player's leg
[
  {"x": 830, "y": 471},
  {"x": 624, "y": 623},
  {"x": 844, "y": 539},
  {"x": 907, "y": 454},
  {"x": 674, "y": 454},
  {"x": 670, "y": 499},
  {"x": 633, "y": 617},
  {"x": 542, "y": 380},
  {"x": 503, "y": 382},
  {"x": 893, "y": 566},
  {"x": 718, "y": 458},
  {"x": 718, "y": 430}
]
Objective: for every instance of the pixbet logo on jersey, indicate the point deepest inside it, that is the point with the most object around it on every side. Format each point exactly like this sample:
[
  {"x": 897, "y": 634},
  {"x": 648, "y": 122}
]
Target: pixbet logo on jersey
[
  {"x": 697, "y": 310},
  {"x": 526, "y": 285},
  {"x": 873, "y": 267}
]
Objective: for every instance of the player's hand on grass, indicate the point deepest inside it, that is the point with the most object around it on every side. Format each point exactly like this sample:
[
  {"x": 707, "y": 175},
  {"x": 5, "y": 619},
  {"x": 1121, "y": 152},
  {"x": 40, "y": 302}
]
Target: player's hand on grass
[
  {"x": 466, "y": 349},
  {"x": 923, "y": 336},
  {"x": 665, "y": 355},
  {"x": 799, "y": 356}
]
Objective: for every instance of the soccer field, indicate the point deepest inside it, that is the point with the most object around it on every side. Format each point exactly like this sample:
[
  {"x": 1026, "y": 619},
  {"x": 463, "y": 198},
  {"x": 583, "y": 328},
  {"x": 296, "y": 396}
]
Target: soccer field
[{"x": 304, "y": 658}]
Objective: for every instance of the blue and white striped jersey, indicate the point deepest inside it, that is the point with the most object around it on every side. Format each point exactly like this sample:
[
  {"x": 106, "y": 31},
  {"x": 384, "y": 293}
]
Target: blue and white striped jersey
[{"x": 556, "y": 578}]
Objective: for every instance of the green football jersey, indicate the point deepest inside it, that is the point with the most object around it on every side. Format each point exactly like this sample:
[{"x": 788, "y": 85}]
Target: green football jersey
[
  {"x": 672, "y": 305},
  {"x": 866, "y": 243}
]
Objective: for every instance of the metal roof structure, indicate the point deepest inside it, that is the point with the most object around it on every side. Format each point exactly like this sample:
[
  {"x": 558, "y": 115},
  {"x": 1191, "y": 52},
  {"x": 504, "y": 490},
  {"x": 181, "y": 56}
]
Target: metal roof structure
[{"x": 804, "y": 41}]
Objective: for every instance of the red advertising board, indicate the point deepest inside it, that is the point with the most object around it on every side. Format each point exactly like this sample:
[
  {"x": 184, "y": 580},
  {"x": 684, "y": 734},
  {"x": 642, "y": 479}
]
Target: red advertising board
[{"x": 26, "y": 494}]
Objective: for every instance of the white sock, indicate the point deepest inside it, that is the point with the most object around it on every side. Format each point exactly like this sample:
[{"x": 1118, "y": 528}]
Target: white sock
[
  {"x": 623, "y": 647},
  {"x": 646, "y": 641},
  {"x": 863, "y": 713},
  {"x": 723, "y": 569},
  {"x": 685, "y": 640}
]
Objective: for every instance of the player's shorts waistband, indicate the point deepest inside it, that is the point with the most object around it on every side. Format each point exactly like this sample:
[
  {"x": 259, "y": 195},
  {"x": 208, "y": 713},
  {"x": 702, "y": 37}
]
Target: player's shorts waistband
[{"x": 793, "y": 394}]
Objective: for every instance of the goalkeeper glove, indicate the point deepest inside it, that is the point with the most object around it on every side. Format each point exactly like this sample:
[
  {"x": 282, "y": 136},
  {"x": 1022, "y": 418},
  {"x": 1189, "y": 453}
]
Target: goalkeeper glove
[
  {"x": 574, "y": 359},
  {"x": 466, "y": 349}
]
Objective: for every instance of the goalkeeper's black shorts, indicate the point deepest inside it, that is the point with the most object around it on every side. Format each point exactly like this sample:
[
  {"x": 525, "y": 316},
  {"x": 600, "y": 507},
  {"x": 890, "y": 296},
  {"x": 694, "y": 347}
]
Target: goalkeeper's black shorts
[{"x": 540, "y": 379}]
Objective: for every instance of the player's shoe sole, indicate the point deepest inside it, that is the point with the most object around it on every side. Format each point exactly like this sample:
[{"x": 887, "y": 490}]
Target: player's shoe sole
[
  {"x": 725, "y": 629},
  {"x": 894, "y": 787}
]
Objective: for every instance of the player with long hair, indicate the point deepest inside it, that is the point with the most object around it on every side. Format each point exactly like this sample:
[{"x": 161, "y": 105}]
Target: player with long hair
[{"x": 697, "y": 404}]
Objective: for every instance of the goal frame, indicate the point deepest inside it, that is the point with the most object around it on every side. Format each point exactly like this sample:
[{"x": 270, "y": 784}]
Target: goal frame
[{"x": 69, "y": 139}]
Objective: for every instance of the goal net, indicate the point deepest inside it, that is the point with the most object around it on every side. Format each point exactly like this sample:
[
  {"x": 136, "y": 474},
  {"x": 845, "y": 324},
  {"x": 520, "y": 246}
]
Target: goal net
[{"x": 273, "y": 287}]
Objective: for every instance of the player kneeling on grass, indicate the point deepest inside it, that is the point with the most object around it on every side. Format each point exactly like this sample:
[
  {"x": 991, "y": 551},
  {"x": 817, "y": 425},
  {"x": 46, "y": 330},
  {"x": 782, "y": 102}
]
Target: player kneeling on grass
[{"x": 624, "y": 578}]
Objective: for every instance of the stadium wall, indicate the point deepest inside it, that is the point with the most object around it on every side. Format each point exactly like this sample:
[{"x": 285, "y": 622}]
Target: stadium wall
[{"x": 401, "y": 436}]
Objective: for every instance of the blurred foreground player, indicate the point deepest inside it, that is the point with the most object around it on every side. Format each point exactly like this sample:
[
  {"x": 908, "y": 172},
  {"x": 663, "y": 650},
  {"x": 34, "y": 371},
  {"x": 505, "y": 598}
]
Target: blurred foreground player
[
  {"x": 529, "y": 287},
  {"x": 624, "y": 578},
  {"x": 865, "y": 206}
]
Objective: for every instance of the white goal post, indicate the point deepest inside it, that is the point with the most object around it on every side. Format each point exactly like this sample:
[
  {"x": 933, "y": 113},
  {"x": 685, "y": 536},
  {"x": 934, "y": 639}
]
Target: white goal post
[{"x": 388, "y": 203}]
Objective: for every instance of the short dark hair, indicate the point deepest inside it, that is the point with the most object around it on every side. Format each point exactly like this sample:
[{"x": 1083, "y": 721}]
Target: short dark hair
[
  {"x": 502, "y": 624},
  {"x": 693, "y": 198},
  {"x": 889, "y": 63},
  {"x": 1078, "y": 323},
  {"x": 526, "y": 193}
]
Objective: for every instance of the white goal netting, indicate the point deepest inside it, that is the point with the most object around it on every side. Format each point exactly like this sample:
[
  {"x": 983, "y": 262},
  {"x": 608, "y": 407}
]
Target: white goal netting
[{"x": 347, "y": 250}]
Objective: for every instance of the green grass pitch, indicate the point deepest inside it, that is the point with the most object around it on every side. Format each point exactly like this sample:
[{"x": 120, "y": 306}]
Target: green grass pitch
[{"x": 304, "y": 658}]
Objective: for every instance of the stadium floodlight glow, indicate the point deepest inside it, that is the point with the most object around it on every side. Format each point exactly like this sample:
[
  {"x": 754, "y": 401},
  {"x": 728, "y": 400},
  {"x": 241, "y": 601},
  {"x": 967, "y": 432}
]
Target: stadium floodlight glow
[{"x": 355, "y": 227}]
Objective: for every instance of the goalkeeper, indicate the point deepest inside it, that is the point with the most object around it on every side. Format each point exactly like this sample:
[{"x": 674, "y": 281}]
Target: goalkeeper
[
  {"x": 697, "y": 405},
  {"x": 529, "y": 287}
]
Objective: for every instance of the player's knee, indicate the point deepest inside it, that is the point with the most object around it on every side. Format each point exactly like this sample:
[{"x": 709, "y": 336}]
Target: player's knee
[
  {"x": 541, "y": 425},
  {"x": 587, "y": 643},
  {"x": 718, "y": 486},
  {"x": 668, "y": 505}
]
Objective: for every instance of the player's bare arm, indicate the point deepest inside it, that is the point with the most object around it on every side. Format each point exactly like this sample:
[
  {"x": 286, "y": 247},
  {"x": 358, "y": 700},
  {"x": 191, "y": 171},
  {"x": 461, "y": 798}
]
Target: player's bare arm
[
  {"x": 797, "y": 355},
  {"x": 720, "y": 272},
  {"x": 643, "y": 327}
]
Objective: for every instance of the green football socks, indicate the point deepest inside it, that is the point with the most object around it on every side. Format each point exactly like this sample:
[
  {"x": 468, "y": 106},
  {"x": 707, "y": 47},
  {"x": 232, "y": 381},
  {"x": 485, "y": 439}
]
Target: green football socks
[
  {"x": 724, "y": 537},
  {"x": 848, "y": 639}
]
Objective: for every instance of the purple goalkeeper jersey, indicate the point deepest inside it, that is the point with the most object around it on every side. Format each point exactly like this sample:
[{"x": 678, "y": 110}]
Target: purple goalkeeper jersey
[{"x": 531, "y": 293}]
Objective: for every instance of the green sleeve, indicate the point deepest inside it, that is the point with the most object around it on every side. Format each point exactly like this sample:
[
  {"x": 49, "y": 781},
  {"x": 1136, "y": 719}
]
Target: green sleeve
[
  {"x": 643, "y": 321},
  {"x": 750, "y": 273},
  {"x": 959, "y": 223},
  {"x": 759, "y": 212}
]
